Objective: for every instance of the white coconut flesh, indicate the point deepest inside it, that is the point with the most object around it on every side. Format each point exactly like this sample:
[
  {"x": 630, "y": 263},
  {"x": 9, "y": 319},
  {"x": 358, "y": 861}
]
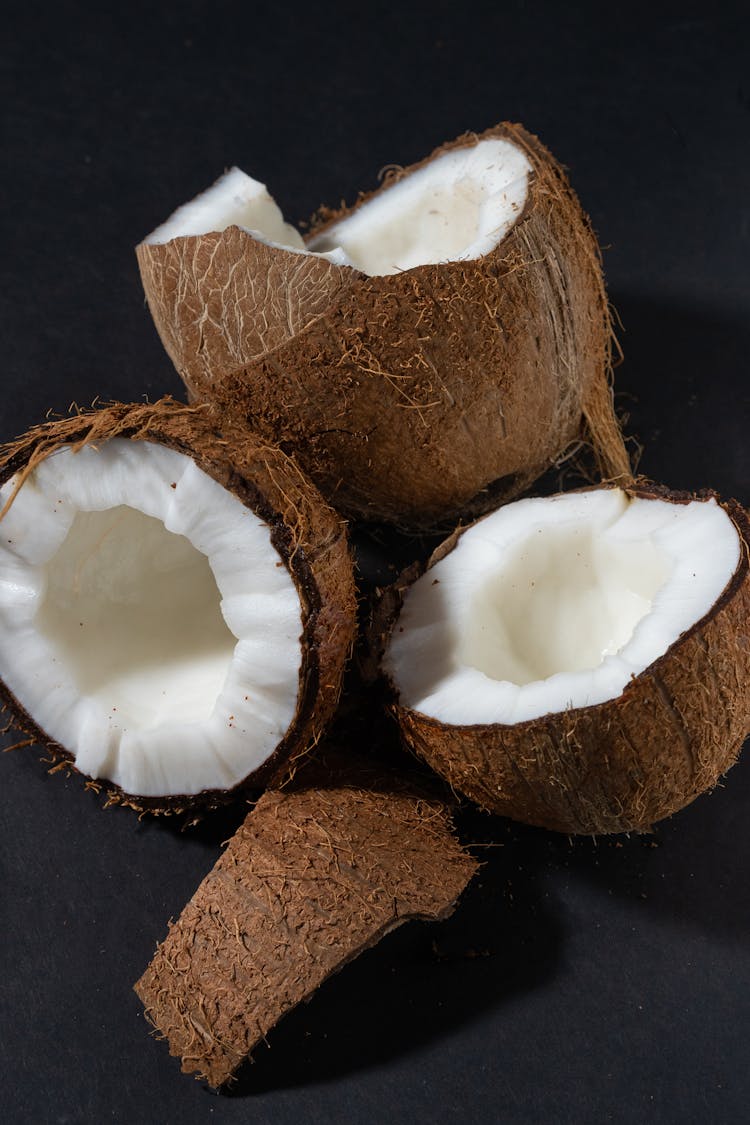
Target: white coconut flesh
[
  {"x": 147, "y": 622},
  {"x": 549, "y": 604},
  {"x": 456, "y": 207}
]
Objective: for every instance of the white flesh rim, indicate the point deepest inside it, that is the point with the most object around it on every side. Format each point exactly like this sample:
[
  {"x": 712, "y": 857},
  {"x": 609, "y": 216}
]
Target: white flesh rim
[
  {"x": 549, "y": 604},
  {"x": 147, "y": 622},
  {"x": 457, "y": 207}
]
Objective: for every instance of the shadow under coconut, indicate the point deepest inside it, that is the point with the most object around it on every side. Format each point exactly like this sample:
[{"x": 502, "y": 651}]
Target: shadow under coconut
[
  {"x": 422, "y": 982},
  {"x": 691, "y": 869},
  {"x": 382, "y": 552},
  {"x": 211, "y": 829}
]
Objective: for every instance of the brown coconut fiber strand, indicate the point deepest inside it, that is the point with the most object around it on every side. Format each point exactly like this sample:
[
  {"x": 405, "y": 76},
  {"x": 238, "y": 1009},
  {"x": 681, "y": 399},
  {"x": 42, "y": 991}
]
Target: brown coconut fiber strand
[
  {"x": 622, "y": 765},
  {"x": 309, "y": 536},
  {"x": 415, "y": 397},
  {"x": 317, "y": 873}
]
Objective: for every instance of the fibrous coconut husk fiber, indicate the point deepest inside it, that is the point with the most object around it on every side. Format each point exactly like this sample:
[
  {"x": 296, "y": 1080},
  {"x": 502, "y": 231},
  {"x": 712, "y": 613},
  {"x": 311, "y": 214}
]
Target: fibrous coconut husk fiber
[{"x": 317, "y": 873}]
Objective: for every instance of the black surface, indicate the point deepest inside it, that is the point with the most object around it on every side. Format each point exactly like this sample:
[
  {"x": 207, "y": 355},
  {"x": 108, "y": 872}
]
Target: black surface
[{"x": 579, "y": 982}]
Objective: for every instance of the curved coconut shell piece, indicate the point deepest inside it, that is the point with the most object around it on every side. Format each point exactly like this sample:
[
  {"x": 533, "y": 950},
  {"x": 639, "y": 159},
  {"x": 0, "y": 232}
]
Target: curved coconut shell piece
[
  {"x": 222, "y": 300},
  {"x": 412, "y": 397},
  {"x": 621, "y": 765},
  {"x": 308, "y": 535},
  {"x": 317, "y": 873}
]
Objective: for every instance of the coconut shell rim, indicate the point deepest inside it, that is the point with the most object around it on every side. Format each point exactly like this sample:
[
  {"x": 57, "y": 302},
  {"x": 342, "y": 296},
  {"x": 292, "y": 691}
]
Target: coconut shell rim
[{"x": 741, "y": 521}]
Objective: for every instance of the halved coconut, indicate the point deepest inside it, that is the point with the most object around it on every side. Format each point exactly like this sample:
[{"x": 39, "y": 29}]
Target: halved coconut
[
  {"x": 429, "y": 351},
  {"x": 581, "y": 662},
  {"x": 176, "y": 603},
  {"x": 317, "y": 873}
]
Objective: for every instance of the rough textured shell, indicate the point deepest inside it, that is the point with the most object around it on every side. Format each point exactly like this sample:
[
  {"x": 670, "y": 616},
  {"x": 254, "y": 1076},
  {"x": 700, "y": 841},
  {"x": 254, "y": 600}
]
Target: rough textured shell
[
  {"x": 624, "y": 764},
  {"x": 316, "y": 874},
  {"x": 309, "y": 535},
  {"x": 413, "y": 397}
]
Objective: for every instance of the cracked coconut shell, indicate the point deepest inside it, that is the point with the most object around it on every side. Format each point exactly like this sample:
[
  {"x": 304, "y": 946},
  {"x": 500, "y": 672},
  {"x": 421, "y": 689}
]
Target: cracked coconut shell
[
  {"x": 318, "y": 872},
  {"x": 408, "y": 398},
  {"x": 620, "y": 765},
  {"x": 308, "y": 539}
]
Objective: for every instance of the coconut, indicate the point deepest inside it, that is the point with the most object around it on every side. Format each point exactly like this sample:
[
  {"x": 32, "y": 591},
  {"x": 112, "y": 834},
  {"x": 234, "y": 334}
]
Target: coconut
[
  {"x": 427, "y": 352},
  {"x": 317, "y": 873},
  {"x": 581, "y": 662},
  {"x": 176, "y": 603}
]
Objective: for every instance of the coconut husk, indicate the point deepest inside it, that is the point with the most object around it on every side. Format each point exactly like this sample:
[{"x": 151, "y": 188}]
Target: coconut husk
[
  {"x": 622, "y": 765},
  {"x": 317, "y": 873},
  {"x": 410, "y": 398},
  {"x": 309, "y": 536}
]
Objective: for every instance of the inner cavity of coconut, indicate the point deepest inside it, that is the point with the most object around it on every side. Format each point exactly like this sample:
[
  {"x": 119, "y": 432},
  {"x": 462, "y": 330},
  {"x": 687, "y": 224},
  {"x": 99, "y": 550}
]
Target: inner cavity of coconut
[
  {"x": 557, "y": 603},
  {"x": 458, "y": 206},
  {"x": 147, "y": 623}
]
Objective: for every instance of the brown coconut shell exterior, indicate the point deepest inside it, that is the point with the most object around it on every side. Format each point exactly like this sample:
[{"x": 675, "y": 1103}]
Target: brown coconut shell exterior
[
  {"x": 622, "y": 765},
  {"x": 309, "y": 536},
  {"x": 411, "y": 398},
  {"x": 316, "y": 874}
]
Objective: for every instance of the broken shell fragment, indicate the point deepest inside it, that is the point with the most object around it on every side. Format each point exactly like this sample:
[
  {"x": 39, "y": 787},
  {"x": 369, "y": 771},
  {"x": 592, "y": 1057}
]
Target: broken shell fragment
[
  {"x": 176, "y": 603},
  {"x": 318, "y": 872},
  {"x": 428, "y": 352},
  {"x": 581, "y": 662}
]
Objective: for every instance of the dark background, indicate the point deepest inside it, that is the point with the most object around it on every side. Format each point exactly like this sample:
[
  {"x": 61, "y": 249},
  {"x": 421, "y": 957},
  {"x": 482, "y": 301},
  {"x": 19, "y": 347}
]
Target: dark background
[{"x": 580, "y": 981}]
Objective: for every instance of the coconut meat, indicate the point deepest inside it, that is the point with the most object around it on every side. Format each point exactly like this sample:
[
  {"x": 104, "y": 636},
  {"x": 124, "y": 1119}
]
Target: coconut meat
[
  {"x": 557, "y": 603},
  {"x": 234, "y": 200},
  {"x": 458, "y": 206},
  {"x": 147, "y": 623}
]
